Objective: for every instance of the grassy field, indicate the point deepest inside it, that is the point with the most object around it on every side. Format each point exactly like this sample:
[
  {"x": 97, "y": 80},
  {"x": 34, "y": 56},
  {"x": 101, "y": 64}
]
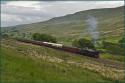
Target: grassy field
[
  {"x": 30, "y": 63},
  {"x": 112, "y": 57}
]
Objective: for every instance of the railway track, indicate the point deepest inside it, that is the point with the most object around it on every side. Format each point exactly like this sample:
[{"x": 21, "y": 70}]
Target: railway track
[{"x": 105, "y": 62}]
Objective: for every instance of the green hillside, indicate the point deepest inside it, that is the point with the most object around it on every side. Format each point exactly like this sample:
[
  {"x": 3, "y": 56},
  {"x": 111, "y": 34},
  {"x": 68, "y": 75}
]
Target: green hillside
[
  {"x": 73, "y": 26},
  {"x": 23, "y": 62}
]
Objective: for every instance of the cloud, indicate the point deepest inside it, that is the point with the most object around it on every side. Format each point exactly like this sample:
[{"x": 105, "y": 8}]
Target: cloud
[{"x": 21, "y": 12}]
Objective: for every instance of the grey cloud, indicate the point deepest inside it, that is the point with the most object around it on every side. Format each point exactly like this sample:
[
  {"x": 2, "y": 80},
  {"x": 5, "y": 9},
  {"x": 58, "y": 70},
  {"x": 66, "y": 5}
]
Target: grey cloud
[
  {"x": 16, "y": 10},
  {"x": 47, "y": 9}
]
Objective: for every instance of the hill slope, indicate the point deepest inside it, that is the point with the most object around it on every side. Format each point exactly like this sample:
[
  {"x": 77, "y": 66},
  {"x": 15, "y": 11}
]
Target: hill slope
[
  {"x": 73, "y": 26},
  {"x": 31, "y": 63}
]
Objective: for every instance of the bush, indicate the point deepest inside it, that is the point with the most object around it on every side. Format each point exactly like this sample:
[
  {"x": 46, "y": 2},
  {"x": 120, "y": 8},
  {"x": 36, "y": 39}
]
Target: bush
[
  {"x": 113, "y": 48},
  {"x": 122, "y": 42},
  {"x": 5, "y": 35},
  {"x": 83, "y": 43},
  {"x": 44, "y": 37}
]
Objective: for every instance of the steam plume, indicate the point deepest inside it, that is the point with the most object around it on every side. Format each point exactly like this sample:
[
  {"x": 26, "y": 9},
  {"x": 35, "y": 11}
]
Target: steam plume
[{"x": 92, "y": 28}]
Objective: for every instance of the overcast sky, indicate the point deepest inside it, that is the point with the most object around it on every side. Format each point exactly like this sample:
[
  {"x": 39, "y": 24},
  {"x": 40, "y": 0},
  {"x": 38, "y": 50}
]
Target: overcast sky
[{"x": 23, "y": 12}]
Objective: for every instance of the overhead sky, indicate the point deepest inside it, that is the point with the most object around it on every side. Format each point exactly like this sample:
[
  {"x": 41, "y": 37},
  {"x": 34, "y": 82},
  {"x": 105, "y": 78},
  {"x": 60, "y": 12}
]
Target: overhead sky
[{"x": 24, "y": 12}]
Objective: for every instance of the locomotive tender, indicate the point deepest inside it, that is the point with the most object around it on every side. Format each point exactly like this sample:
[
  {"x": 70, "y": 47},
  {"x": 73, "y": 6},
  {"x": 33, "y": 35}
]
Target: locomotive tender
[{"x": 85, "y": 52}]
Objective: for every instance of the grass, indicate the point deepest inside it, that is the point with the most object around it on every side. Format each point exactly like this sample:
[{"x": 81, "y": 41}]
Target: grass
[
  {"x": 29, "y": 63},
  {"x": 17, "y": 67},
  {"x": 112, "y": 57}
]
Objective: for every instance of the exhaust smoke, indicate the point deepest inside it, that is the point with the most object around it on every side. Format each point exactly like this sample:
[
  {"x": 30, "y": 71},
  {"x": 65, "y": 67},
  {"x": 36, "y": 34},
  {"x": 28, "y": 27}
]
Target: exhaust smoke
[{"x": 92, "y": 28}]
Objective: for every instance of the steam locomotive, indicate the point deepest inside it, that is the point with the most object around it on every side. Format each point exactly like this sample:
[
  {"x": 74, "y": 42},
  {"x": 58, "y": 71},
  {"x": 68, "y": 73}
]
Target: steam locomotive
[{"x": 85, "y": 52}]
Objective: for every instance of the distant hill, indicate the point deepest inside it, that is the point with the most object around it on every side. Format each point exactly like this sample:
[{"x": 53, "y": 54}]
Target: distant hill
[{"x": 72, "y": 26}]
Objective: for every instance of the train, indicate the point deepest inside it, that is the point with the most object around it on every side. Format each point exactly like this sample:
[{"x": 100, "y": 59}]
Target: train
[{"x": 85, "y": 52}]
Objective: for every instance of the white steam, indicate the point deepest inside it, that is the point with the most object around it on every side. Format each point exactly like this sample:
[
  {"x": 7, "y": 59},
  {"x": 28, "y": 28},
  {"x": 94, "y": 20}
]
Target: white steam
[{"x": 92, "y": 28}]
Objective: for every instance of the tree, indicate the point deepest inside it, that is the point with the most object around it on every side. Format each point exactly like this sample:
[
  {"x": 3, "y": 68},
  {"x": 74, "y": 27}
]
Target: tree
[
  {"x": 83, "y": 43},
  {"x": 44, "y": 37}
]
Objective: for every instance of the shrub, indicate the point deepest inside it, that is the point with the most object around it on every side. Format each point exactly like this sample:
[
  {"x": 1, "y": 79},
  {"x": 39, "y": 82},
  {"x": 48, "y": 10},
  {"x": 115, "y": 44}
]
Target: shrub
[
  {"x": 83, "y": 43},
  {"x": 113, "y": 48},
  {"x": 122, "y": 42},
  {"x": 44, "y": 37},
  {"x": 5, "y": 35}
]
